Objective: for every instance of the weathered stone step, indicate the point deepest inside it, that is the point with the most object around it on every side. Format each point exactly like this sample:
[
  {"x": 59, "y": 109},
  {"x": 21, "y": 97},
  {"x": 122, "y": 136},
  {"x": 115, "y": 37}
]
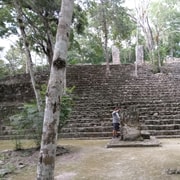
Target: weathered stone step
[
  {"x": 87, "y": 129},
  {"x": 160, "y": 108},
  {"x": 97, "y": 119},
  {"x": 86, "y": 135},
  {"x": 167, "y": 116},
  {"x": 168, "y": 136},
  {"x": 167, "y": 127},
  {"x": 165, "y": 132},
  {"x": 138, "y": 91},
  {"x": 88, "y": 118},
  {"x": 156, "y": 112},
  {"x": 91, "y": 123},
  {"x": 12, "y": 137},
  {"x": 162, "y": 122},
  {"x": 12, "y": 132},
  {"x": 161, "y": 104},
  {"x": 159, "y": 112},
  {"x": 125, "y": 97},
  {"x": 97, "y": 115}
]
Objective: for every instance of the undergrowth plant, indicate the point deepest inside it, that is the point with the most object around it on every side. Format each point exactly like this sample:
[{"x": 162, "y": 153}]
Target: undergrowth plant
[{"x": 29, "y": 121}]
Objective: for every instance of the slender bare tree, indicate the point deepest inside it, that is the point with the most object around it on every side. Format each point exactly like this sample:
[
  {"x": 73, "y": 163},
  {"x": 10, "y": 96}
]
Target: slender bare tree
[
  {"x": 27, "y": 52},
  {"x": 46, "y": 163},
  {"x": 142, "y": 19},
  {"x": 105, "y": 30}
]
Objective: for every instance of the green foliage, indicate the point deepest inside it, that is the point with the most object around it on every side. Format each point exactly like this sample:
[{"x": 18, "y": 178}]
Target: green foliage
[
  {"x": 158, "y": 58},
  {"x": 172, "y": 45},
  {"x": 88, "y": 29},
  {"x": 118, "y": 23},
  {"x": 66, "y": 107},
  {"x": 40, "y": 19},
  {"x": 16, "y": 60},
  {"x": 3, "y": 69},
  {"x": 164, "y": 16},
  {"x": 90, "y": 51},
  {"x": 30, "y": 120},
  {"x": 79, "y": 19},
  {"x": 127, "y": 55},
  {"x": 7, "y": 23}
]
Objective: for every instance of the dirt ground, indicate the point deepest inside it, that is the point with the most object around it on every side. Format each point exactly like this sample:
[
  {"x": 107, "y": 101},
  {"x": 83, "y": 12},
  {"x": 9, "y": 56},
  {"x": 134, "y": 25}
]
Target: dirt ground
[{"x": 91, "y": 160}]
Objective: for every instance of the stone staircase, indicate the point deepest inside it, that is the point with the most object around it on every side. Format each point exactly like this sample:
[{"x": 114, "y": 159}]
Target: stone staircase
[{"x": 154, "y": 97}]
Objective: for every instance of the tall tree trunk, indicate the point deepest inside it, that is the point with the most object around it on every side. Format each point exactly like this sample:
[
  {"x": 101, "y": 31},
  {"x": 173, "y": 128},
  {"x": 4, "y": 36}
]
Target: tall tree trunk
[
  {"x": 46, "y": 163},
  {"x": 105, "y": 29},
  {"x": 27, "y": 51},
  {"x": 150, "y": 35},
  {"x": 143, "y": 21}
]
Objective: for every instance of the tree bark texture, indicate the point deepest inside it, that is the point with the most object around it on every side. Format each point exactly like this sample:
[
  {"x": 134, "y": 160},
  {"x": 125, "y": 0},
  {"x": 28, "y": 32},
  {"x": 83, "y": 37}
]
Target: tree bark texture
[{"x": 46, "y": 163}]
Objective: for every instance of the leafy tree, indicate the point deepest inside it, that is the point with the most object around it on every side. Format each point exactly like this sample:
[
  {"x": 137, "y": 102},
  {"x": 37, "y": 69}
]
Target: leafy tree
[
  {"x": 16, "y": 60},
  {"x": 40, "y": 18},
  {"x": 87, "y": 50},
  {"x": 158, "y": 24},
  {"x": 143, "y": 25},
  {"x": 7, "y": 24},
  {"x": 166, "y": 26},
  {"x": 127, "y": 54},
  {"x": 110, "y": 20},
  {"x": 3, "y": 69},
  {"x": 21, "y": 25}
]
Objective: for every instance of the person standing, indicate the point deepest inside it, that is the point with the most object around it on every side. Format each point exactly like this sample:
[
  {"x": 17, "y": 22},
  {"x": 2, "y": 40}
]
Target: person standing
[{"x": 115, "y": 122}]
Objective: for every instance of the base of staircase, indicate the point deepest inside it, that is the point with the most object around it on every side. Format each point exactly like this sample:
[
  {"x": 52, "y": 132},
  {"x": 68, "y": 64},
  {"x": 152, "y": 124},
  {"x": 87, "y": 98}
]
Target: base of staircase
[
  {"x": 167, "y": 136},
  {"x": 152, "y": 142}
]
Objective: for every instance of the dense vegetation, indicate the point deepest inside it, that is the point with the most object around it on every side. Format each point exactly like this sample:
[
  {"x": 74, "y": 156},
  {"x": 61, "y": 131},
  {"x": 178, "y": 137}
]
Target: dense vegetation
[{"x": 97, "y": 25}]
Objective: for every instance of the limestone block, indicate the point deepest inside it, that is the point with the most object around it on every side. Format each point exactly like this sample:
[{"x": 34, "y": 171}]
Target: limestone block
[
  {"x": 115, "y": 55},
  {"x": 131, "y": 133}
]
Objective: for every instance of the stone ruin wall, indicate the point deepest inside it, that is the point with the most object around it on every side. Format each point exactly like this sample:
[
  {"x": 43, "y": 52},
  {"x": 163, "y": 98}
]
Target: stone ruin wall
[{"x": 14, "y": 91}]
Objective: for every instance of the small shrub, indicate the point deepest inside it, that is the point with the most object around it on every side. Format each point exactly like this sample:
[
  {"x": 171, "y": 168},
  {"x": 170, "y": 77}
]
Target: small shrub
[{"x": 30, "y": 120}]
